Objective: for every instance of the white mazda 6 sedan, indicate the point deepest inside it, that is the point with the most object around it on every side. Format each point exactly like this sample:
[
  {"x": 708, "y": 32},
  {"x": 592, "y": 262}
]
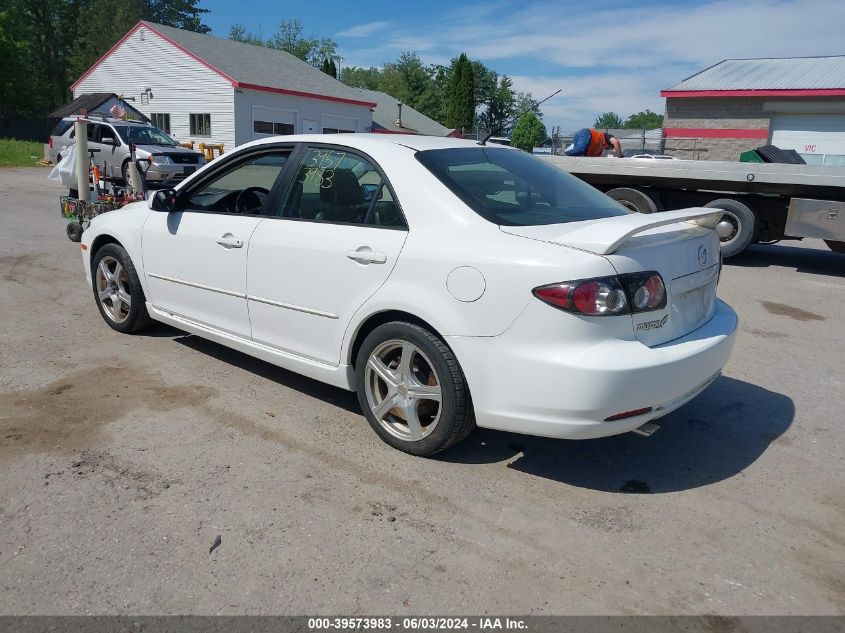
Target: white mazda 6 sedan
[{"x": 450, "y": 284}]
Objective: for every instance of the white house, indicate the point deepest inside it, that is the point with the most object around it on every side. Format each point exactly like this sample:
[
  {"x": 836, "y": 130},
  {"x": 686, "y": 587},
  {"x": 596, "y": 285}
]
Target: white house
[{"x": 214, "y": 90}]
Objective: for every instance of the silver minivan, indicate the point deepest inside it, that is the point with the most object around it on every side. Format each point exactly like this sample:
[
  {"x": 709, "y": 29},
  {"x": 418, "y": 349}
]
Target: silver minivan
[{"x": 169, "y": 161}]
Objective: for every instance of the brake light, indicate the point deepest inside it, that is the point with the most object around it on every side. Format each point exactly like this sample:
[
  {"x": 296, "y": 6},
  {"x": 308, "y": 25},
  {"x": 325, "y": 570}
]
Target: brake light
[
  {"x": 607, "y": 296},
  {"x": 592, "y": 297}
]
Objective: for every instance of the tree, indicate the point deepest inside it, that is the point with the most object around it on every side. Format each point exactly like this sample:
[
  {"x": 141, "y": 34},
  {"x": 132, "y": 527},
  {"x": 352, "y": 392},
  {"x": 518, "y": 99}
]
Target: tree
[
  {"x": 607, "y": 121},
  {"x": 646, "y": 120},
  {"x": 313, "y": 50},
  {"x": 462, "y": 96},
  {"x": 528, "y": 133}
]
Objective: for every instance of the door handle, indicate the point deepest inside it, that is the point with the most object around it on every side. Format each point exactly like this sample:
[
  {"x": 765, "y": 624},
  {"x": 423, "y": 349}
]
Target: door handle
[
  {"x": 366, "y": 255},
  {"x": 230, "y": 241}
]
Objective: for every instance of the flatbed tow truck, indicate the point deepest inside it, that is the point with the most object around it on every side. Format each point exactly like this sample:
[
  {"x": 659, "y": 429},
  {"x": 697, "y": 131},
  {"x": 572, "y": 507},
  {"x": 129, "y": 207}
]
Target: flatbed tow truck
[{"x": 763, "y": 202}]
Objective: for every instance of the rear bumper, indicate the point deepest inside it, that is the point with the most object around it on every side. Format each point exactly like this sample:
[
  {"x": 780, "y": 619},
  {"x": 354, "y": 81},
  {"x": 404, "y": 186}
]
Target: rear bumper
[{"x": 521, "y": 382}]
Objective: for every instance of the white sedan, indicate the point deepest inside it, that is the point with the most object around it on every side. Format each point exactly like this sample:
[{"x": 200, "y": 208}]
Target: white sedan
[{"x": 451, "y": 284}]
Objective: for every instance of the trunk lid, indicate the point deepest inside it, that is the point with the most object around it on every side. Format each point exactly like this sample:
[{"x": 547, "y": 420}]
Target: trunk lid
[{"x": 680, "y": 245}]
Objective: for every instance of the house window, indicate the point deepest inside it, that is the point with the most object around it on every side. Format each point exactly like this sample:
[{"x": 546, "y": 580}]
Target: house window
[
  {"x": 200, "y": 124},
  {"x": 334, "y": 130},
  {"x": 161, "y": 121},
  {"x": 271, "y": 127}
]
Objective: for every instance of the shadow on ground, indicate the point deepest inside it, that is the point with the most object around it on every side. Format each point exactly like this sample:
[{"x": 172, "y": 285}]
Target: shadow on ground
[
  {"x": 327, "y": 393},
  {"x": 803, "y": 260},
  {"x": 714, "y": 437}
]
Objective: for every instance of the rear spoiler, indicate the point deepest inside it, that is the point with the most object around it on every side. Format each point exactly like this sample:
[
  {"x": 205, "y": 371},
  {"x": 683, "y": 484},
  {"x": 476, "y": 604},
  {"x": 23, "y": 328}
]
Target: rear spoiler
[{"x": 606, "y": 235}]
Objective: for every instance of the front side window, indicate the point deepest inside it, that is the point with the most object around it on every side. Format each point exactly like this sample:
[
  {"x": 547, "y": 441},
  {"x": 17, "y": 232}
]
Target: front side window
[
  {"x": 340, "y": 187},
  {"x": 245, "y": 188},
  {"x": 200, "y": 124},
  {"x": 512, "y": 188},
  {"x": 161, "y": 121}
]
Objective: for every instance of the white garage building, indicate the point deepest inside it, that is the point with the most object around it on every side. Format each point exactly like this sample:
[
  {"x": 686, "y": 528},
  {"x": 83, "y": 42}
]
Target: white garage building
[
  {"x": 213, "y": 90},
  {"x": 738, "y": 104}
]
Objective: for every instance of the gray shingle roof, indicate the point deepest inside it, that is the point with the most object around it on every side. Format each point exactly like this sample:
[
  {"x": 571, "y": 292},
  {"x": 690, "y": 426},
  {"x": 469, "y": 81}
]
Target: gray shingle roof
[
  {"x": 259, "y": 66},
  {"x": 387, "y": 111},
  {"x": 90, "y": 103},
  {"x": 790, "y": 73}
]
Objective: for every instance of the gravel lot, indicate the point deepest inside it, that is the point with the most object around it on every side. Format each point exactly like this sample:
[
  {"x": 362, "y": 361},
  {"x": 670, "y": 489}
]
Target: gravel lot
[{"x": 123, "y": 457}]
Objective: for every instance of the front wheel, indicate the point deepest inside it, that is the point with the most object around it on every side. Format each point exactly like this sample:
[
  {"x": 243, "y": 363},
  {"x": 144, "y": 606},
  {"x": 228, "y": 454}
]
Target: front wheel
[
  {"x": 412, "y": 390},
  {"x": 117, "y": 290}
]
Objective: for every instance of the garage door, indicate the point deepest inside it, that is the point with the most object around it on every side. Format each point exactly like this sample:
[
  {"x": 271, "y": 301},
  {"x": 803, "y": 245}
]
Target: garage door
[
  {"x": 820, "y": 139},
  {"x": 339, "y": 124},
  {"x": 272, "y": 122}
]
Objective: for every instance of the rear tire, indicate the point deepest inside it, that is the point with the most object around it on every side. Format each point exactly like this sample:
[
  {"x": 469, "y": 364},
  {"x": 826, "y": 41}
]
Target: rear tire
[
  {"x": 412, "y": 390},
  {"x": 740, "y": 221},
  {"x": 636, "y": 200},
  {"x": 836, "y": 247},
  {"x": 117, "y": 290}
]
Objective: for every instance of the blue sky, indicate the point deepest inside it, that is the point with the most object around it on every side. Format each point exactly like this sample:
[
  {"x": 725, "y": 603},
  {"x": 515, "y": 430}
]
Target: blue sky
[{"x": 604, "y": 54}]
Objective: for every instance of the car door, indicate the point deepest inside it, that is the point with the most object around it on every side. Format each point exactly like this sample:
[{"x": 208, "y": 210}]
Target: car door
[
  {"x": 110, "y": 155},
  {"x": 335, "y": 241},
  {"x": 195, "y": 257}
]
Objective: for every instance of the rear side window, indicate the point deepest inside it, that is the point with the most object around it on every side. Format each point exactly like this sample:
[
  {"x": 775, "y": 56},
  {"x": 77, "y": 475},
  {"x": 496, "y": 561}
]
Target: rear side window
[
  {"x": 512, "y": 188},
  {"x": 61, "y": 128},
  {"x": 340, "y": 187}
]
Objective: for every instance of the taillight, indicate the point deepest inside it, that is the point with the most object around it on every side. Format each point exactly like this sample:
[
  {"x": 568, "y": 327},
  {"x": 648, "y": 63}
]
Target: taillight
[
  {"x": 645, "y": 290},
  {"x": 593, "y": 297},
  {"x": 607, "y": 296}
]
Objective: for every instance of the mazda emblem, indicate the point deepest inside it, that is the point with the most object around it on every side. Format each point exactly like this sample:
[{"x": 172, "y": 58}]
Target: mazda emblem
[{"x": 702, "y": 255}]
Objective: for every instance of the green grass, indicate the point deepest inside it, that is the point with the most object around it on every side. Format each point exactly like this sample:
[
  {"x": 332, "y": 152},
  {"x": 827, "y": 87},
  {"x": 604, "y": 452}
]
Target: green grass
[{"x": 20, "y": 153}]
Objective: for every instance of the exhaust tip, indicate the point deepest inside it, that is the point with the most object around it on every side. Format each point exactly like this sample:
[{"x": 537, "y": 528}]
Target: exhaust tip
[{"x": 647, "y": 429}]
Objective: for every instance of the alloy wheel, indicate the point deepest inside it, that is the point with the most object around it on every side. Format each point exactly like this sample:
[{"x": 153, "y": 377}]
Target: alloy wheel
[
  {"x": 403, "y": 390},
  {"x": 113, "y": 289}
]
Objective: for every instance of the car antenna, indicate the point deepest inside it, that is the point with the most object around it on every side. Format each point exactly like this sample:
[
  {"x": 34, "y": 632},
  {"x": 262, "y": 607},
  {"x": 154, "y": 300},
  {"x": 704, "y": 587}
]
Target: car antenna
[{"x": 516, "y": 118}]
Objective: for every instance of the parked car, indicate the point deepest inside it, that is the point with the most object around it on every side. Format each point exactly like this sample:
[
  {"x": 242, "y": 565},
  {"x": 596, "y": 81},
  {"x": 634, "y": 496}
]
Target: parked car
[
  {"x": 645, "y": 152},
  {"x": 169, "y": 161},
  {"x": 450, "y": 284}
]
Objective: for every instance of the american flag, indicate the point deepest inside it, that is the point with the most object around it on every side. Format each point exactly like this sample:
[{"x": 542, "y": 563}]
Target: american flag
[{"x": 118, "y": 111}]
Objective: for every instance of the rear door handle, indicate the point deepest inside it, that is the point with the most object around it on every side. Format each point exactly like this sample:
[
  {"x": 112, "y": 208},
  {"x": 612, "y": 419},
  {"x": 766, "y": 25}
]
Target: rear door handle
[
  {"x": 366, "y": 255},
  {"x": 230, "y": 241}
]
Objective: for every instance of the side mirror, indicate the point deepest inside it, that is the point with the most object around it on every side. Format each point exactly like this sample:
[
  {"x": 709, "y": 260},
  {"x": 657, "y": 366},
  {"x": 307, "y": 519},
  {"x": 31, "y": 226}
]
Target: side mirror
[{"x": 162, "y": 200}]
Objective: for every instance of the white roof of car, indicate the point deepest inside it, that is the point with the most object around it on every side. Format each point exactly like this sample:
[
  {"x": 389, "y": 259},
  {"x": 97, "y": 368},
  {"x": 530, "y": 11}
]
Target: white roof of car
[{"x": 415, "y": 142}]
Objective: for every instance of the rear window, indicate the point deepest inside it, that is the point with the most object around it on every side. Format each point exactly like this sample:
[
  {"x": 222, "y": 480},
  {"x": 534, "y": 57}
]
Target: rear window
[
  {"x": 61, "y": 128},
  {"x": 512, "y": 188}
]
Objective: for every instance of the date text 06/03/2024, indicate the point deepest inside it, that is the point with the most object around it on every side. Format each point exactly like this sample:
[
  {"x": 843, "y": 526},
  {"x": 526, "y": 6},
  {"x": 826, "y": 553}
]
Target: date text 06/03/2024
[{"x": 416, "y": 623}]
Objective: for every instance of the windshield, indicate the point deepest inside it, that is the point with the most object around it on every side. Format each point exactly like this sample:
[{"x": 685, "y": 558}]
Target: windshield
[
  {"x": 143, "y": 135},
  {"x": 512, "y": 188}
]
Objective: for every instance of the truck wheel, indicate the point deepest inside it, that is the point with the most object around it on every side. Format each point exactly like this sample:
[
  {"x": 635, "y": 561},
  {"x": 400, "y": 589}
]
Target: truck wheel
[
  {"x": 636, "y": 200},
  {"x": 836, "y": 247},
  {"x": 74, "y": 231},
  {"x": 737, "y": 227}
]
